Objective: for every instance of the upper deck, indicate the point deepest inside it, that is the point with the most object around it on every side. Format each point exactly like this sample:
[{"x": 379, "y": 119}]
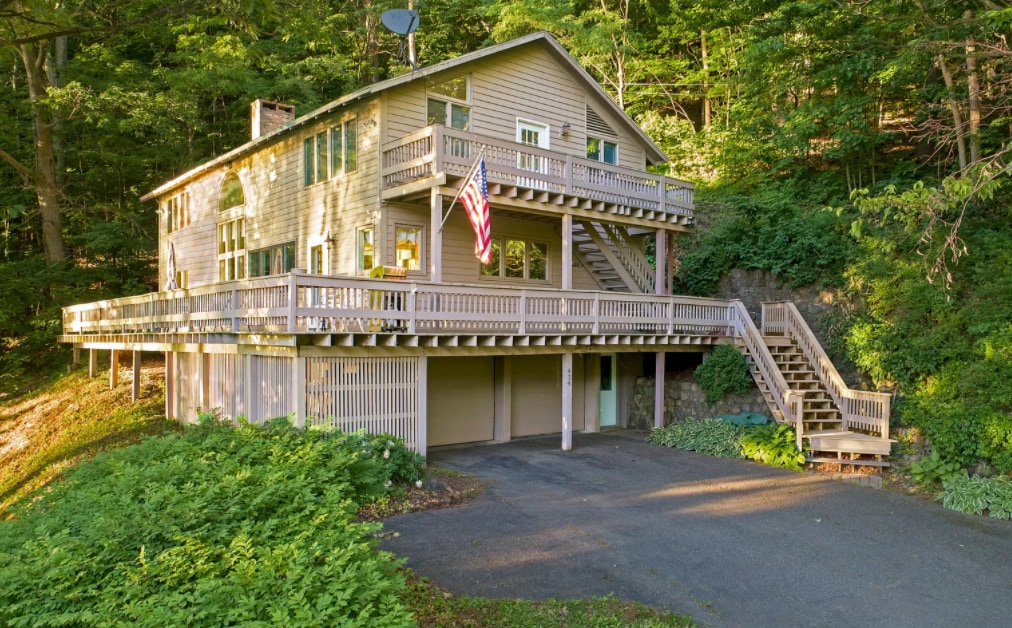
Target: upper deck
[{"x": 519, "y": 174}]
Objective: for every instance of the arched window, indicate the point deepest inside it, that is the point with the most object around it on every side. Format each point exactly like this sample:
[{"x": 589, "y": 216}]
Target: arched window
[{"x": 232, "y": 194}]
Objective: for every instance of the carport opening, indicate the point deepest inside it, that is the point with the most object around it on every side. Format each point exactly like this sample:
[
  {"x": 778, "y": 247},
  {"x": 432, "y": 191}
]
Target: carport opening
[{"x": 677, "y": 364}]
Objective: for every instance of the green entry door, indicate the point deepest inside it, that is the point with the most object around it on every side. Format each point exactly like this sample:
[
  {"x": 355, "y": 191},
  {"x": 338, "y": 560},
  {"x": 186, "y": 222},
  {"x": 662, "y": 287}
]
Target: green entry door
[{"x": 607, "y": 400}]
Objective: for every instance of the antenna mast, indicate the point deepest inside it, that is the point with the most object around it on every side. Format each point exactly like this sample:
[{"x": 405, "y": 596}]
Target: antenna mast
[{"x": 403, "y": 22}]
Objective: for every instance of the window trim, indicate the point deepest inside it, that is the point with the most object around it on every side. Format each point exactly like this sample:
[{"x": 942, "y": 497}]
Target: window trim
[
  {"x": 422, "y": 265},
  {"x": 449, "y": 102},
  {"x": 359, "y": 248},
  {"x": 236, "y": 255},
  {"x": 602, "y": 142},
  {"x": 231, "y": 174}
]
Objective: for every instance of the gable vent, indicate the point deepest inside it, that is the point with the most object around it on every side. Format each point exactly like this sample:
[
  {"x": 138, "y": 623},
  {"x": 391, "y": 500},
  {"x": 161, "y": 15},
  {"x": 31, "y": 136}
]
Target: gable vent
[{"x": 597, "y": 126}]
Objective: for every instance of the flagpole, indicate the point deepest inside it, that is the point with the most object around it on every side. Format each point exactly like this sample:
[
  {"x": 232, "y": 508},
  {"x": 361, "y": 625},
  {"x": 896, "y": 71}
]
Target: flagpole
[{"x": 470, "y": 173}]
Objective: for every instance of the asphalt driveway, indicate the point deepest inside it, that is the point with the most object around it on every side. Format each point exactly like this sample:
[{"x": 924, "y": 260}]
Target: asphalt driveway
[{"x": 729, "y": 542}]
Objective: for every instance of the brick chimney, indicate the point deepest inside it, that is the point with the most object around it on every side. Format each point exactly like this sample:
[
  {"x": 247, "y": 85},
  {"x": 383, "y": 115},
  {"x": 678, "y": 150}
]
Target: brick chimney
[{"x": 267, "y": 116}]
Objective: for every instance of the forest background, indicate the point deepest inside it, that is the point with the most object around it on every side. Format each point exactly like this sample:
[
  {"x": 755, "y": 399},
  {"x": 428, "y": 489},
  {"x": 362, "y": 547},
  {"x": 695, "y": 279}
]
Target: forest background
[{"x": 857, "y": 145}]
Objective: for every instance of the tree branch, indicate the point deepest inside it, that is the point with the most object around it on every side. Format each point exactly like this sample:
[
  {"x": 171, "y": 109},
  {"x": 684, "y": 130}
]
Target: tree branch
[{"x": 22, "y": 169}]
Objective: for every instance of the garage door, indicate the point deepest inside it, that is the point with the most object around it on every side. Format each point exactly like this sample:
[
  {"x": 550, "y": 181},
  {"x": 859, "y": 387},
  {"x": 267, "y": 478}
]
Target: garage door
[
  {"x": 461, "y": 404},
  {"x": 536, "y": 395}
]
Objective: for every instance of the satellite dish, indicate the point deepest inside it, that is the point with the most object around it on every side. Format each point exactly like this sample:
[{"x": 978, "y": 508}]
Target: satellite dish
[{"x": 400, "y": 21}]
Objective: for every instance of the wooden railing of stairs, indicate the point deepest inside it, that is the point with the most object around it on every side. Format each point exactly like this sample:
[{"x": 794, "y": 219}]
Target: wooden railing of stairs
[
  {"x": 613, "y": 257},
  {"x": 839, "y": 425}
]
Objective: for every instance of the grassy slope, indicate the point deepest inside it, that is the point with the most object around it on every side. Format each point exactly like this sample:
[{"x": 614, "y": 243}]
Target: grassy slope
[{"x": 70, "y": 417}]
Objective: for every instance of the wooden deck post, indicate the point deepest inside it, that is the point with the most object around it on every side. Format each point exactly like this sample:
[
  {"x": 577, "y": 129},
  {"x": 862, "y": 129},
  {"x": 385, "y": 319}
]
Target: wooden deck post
[
  {"x": 170, "y": 384},
  {"x": 92, "y": 362},
  {"x": 135, "y": 386},
  {"x": 659, "y": 390},
  {"x": 436, "y": 237},
  {"x": 113, "y": 369},
  {"x": 567, "y": 401},
  {"x": 202, "y": 400},
  {"x": 76, "y": 361},
  {"x": 567, "y": 252},
  {"x": 299, "y": 390},
  {"x": 660, "y": 257},
  {"x": 422, "y": 393}
]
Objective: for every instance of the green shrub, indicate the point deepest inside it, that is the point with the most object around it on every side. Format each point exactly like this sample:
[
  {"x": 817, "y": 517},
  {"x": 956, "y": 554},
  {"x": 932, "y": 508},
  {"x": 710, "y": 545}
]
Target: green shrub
[
  {"x": 724, "y": 372},
  {"x": 933, "y": 469},
  {"x": 975, "y": 495},
  {"x": 708, "y": 436},
  {"x": 251, "y": 525},
  {"x": 775, "y": 445}
]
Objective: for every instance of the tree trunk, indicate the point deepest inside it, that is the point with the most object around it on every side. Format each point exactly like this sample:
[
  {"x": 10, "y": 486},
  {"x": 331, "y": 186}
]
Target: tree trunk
[
  {"x": 974, "y": 88},
  {"x": 707, "y": 122},
  {"x": 957, "y": 117},
  {"x": 46, "y": 188}
]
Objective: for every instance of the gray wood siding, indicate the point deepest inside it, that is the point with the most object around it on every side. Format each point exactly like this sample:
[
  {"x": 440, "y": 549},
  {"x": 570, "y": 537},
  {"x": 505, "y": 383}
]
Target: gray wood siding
[
  {"x": 279, "y": 208},
  {"x": 526, "y": 83}
]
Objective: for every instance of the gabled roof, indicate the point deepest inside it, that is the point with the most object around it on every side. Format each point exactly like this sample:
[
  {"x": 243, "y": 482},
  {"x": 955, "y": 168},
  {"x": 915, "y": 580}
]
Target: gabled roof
[{"x": 654, "y": 154}]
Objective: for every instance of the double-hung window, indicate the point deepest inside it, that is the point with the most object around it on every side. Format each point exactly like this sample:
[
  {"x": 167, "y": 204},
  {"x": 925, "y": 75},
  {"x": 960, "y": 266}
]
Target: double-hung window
[
  {"x": 330, "y": 152},
  {"x": 447, "y": 103}
]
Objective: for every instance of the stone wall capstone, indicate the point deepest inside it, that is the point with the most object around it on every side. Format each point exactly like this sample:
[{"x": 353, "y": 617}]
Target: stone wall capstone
[{"x": 685, "y": 399}]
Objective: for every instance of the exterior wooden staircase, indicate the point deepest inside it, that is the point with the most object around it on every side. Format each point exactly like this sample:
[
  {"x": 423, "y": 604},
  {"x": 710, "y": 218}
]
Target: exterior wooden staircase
[
  {"x": 801, "y": 386},
  {"x": 613, "y": 256}
]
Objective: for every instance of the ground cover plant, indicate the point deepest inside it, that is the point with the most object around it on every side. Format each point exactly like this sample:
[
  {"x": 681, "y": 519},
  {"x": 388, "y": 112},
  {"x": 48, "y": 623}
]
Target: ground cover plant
[
  {"x": 217, "y": 525},
  {"x": 977, "y": 495},
  {"x": 770, "y": 444}
]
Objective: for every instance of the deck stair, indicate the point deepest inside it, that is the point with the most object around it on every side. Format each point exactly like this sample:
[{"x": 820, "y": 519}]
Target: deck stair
[
  {"x": 612, "y": 256},
  {"x": 839, "y": 425}
]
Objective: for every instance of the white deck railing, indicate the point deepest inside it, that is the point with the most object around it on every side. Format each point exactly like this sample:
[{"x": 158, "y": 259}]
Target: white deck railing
[
  {"x": 437, "y": 149},
  {"x": 860, "y": 410},
  {"x": 302, "y": 303}
]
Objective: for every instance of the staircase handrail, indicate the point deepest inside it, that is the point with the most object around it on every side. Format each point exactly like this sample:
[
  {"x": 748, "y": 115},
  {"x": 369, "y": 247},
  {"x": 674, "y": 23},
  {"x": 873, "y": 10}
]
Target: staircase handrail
[
  {"x": 859, "y": 409},
  {"x": 787, "y": 400},
  {"x": 634, "y": 258}
]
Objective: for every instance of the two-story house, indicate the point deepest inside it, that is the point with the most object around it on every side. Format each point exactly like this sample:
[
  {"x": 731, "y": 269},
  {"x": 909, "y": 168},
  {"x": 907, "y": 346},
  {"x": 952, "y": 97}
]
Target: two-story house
[{"x": 316, "y": 271}]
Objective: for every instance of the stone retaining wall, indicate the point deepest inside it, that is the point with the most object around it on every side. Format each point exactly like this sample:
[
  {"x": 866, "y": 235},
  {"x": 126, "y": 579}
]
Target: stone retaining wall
[
  {"x": 685, "y": 399},
  {"x": 755, "y": 286}
]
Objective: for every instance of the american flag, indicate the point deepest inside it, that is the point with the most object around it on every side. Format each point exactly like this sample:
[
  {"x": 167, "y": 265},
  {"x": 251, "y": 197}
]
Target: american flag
[{"x": 474, "y": 196}]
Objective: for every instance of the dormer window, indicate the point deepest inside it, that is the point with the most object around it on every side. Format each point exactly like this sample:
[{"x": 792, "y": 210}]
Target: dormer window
[
  {"x": 232, "y": 194},
  {"x": 447, "y": 103}
]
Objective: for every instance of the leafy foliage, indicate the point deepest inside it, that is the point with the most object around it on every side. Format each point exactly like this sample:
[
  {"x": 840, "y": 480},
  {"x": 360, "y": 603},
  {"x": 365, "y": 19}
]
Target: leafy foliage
[
  {"x": 712, "y": 437},
  {"x": 975, "y": 495},
  {"x": 773, "y": 445},
  {"x": 933, "y": 469},
  {"x": 215, "y": 526},
  {"x": 770, "y": 444},
  {"x": 723, "y": 373}
]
